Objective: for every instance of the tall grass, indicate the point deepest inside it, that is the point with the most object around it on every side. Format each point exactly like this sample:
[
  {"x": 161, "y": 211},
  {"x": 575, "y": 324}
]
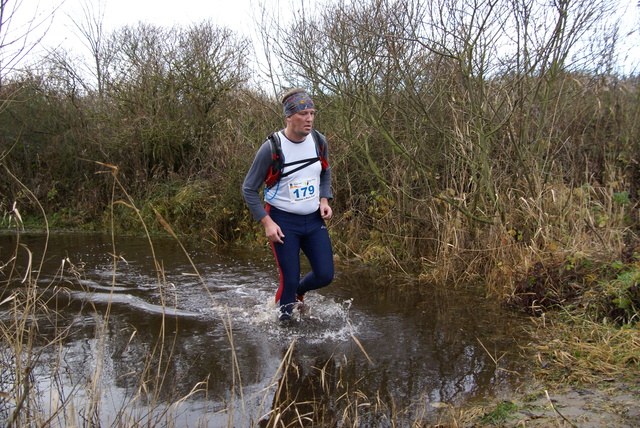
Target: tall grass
[
  {"x": 573, "y": 349},
  {"x": 34, "y": 322},
  {"x": 41, "y": 390}
]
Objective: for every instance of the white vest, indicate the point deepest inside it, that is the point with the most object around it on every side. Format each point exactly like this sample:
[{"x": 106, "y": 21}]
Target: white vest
[{"x": 298, "y": 193}]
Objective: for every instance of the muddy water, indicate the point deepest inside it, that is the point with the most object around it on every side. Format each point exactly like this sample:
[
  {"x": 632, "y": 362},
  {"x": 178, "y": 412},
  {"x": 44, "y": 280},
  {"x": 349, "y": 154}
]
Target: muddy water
[{"x": 374, "y": 337}]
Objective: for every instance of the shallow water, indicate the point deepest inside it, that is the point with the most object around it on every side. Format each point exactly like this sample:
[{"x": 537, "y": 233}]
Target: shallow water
[{"x": 373, "y": 337}]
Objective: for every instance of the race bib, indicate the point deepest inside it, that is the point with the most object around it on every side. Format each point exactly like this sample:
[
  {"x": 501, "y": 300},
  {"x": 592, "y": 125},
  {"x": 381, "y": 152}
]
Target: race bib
[{"x": 303, "y": 190}]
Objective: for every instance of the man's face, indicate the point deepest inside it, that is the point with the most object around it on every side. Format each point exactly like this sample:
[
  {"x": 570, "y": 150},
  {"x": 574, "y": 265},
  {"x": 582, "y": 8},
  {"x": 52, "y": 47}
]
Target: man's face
[{"x": 300, "y": 124}]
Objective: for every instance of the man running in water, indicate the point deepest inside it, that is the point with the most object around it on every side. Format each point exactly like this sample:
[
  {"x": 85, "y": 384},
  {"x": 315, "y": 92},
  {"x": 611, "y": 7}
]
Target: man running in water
[{"x": 297, "y": 205}]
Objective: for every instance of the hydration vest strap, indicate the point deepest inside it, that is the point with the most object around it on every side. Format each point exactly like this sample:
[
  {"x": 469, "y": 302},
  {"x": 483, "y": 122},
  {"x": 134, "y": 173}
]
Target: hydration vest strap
[
  {"x": 305, "y": 162},
  {"x": 277, "y": 159}
]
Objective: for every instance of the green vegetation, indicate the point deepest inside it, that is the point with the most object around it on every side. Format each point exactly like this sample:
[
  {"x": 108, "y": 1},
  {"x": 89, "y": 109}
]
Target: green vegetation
[{"x": 500, "y": 414}]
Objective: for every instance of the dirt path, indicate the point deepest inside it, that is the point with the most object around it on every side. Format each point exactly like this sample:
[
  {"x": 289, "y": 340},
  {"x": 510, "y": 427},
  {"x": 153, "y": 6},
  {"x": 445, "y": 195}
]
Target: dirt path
[{"x": 614, "y": 405}]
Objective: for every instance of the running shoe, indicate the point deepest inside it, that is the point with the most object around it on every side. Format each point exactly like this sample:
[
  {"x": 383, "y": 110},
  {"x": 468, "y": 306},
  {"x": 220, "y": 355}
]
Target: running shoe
[{"x": 284, "y": 317}]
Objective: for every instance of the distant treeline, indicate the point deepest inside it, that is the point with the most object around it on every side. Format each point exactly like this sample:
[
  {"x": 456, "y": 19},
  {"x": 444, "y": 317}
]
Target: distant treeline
[{"x": 467, "y": 139}]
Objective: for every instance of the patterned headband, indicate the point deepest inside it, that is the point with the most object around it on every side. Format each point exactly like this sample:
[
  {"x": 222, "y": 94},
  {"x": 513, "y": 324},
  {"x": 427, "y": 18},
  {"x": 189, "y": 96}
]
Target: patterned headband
[{"x": 297, "y": 102}]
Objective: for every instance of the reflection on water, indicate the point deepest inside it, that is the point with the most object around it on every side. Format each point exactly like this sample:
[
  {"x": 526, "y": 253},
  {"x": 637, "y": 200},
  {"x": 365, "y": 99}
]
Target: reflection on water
[{"x": 364, "y": 336}]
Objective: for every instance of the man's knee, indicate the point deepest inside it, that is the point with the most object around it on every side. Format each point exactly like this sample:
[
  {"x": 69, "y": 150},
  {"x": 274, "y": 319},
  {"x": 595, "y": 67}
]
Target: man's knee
[{"x": 325, "y": 277}]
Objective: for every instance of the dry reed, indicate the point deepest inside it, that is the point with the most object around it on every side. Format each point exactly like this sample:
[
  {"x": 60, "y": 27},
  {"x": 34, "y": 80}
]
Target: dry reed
[{"x": 319, "y": 398}]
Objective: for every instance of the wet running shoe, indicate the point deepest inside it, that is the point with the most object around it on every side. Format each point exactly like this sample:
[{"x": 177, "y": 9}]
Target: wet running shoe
[{"x": 284, "y": 317}]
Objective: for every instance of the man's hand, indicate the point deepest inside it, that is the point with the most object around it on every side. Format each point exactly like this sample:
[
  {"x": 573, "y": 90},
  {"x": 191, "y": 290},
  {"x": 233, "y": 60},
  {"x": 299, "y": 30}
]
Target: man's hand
[
  {"x": 272, "y": 230},
  {"x": 325, "y": 210}
]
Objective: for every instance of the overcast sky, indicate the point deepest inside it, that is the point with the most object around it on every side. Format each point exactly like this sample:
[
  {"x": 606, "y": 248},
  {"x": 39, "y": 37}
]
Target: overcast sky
[
  {"x": 238, "y": 15},
  {"x": 234, "y": 14}
]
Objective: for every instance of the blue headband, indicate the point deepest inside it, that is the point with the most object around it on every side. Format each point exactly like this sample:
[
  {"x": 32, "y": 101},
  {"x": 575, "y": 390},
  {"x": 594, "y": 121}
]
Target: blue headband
[{"x": 297, "y": 102}]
